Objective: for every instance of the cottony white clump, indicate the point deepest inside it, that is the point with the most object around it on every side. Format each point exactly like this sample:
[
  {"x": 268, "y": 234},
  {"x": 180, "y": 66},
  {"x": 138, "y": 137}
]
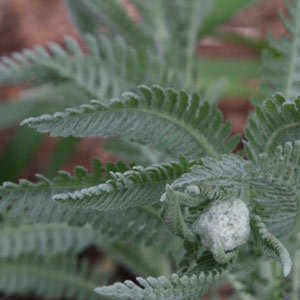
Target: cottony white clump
[
  {"x": 226, "y": 221},
  {"x": 192, "y": 189}
]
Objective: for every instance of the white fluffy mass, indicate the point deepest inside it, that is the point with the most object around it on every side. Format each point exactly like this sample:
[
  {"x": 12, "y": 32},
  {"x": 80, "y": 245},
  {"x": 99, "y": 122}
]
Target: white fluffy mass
[{"x": 227, "y": 220}]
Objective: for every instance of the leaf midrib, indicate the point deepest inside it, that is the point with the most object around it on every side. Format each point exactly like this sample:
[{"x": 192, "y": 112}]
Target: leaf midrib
[
  {"x": 199, "y": 138},
  {"x": 277, "y": 133},
  {"x": 77, "y": 187}
]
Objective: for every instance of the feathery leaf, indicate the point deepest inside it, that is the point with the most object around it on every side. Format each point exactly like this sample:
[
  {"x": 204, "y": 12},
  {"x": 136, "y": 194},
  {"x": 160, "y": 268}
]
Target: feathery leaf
[
  {"x": 47, "y": 99},
  {"x": 170, "y": 120},
  {"x": 273, "y": 184},
  {"x": 33, "y": 202},
  {"x": 40, "y": 239},
  {"x": 186, "y": 287},
  {"x": 47, "y": 278},
  {"x": 109, "y": 69},
  {"x": 172, "y": 216},
  {"x": 280, "y": 70},
  {"x": 271, "y": 246},
  {"x": 275, "y": 122},
  {"x": 137, "y": 187}
]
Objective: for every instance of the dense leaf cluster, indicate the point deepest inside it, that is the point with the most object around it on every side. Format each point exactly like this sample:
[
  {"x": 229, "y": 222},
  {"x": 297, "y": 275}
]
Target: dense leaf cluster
[{"x": 157, "y": 205}]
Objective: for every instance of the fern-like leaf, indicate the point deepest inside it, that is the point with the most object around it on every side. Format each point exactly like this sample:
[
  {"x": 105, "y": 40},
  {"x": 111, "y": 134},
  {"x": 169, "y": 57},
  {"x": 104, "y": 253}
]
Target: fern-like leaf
[
  {"x": 40, "y": 239},
  {"x": 273, "y": 184},
  {"x": 110, "y": 68},
  {"x": 137, "y": 187},
  {"x": 172, "y": 216},
  {"x": 40, "y": 64},
  {"x": 33, "y": 203},
  {"x": 48, "y": 278},
  {"x": 186, "y": 287},
  {"x": 280, "y": 69},
  {"x": 274, "y": 123},
  {"x": 225, "y": 172},
  {"x": 39, "y": 101},
  {"x": 151, "y": 117},
  {"x": 271, "y": 246}
]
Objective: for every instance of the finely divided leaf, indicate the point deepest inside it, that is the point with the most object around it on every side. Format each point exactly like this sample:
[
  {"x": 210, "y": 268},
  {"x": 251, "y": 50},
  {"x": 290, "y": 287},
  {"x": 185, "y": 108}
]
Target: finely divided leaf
[
  {"x": 109, "y": 69},
  {"x": 33, "y": 203},
  {"x": 229, "y": 170},
  {"x": 170, "y": 120},
  {"x": 273, "y": 184},
  {"x": 43, "y": 240},
  {"x": 40, "y": 64},
  {"x": 271, "y": 246},
  {"x": 172, "y": 216},
  {"x": 274, "y": 123},
  {"x": 281, "y": 68},
  {"x": 137, "y": 187},
  {"x": 186, "y": 287},
  {"x": 48, "y": 278}
]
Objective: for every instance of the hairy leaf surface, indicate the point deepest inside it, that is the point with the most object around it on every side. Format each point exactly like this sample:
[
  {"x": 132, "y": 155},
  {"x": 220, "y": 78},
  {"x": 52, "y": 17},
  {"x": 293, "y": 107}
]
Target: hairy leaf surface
[
  {"x": 33, "y": 202},
  {"x": 110, "y": 67},
  {"x": 270, "y": 245},
  {"x": 170, "y": 120},
  {"x": 186, "y": 287},
  {"x": 274, "y": 123},
  {"x": 273, "y": 183},
  {"x": 137, "y": 187}
]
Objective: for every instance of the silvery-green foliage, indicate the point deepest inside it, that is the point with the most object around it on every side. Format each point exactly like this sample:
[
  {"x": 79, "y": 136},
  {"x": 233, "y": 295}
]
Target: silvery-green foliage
[
  {"x": 216, "y": 209},
  {"x": 48, "y": 277},
  {"x": 190, "y": 197},
  {"x": 281, "y": 66},
  {"x": 273, "y": 123},
  {"x": 33, "y": 201},
  {"x": 173, "y": 121},
  {"x": 271, "y": 183},
  {"x": 172, "y": 216},
  {"x": 162, "y": 288},
  {"x": 110, "y": 68},
  {"x": 148, "y": 25},
  {"x": 43, "y": 240},
  {"x": 272, "y": 247}
]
